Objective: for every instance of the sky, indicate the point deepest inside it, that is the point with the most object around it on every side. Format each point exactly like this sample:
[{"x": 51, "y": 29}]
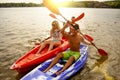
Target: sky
[{"x": 40, "y": 1}]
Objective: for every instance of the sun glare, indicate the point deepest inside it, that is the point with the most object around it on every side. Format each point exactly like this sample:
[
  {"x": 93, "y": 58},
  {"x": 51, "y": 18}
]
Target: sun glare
[{"x": 58, "y": 1}]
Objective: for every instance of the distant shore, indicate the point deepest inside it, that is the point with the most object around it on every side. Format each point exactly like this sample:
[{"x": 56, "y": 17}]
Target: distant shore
[{"x": 83, "y": 4}]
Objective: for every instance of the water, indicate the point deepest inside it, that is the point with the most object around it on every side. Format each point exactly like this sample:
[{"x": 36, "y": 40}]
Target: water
[{"x": 20, "y": 26}]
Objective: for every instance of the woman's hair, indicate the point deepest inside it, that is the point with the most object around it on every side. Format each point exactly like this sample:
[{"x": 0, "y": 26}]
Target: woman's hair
[{"x": 55, "y": 25}]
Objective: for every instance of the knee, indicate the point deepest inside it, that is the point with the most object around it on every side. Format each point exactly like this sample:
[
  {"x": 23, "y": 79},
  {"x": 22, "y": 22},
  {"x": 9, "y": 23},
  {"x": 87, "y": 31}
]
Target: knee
[
  {"x": 46, "y": 42},
  {"x": 51, "y": 43},
  {"x": 72, "y": 58},
  {"x": 43, "y": 44},
  {"x": 60, "y": 55}
]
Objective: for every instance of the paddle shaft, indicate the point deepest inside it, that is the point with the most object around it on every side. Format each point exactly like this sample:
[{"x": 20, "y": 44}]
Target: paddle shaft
[
  {"x": 45, "y": 39},
  {"x": 63, "y": 17}
]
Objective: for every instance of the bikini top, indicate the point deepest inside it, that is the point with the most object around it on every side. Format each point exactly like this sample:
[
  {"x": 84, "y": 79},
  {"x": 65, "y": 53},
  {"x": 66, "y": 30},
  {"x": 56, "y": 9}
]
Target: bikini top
[{"x": 56, "y": 35}]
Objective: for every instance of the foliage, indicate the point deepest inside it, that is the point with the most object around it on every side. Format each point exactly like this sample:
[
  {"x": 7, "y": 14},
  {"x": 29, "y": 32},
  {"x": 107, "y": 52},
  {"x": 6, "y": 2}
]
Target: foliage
[
  {"x": 20, "y": 5},
  {"x": 91, "y": 4},
  {"x": 88, "y": 4},
  {"x": 113, "y": 4}
]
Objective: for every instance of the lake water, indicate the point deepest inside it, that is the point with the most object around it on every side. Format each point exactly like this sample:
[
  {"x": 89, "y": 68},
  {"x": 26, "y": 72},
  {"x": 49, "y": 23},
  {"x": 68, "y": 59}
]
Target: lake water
[{"x": 19, "y": 27}]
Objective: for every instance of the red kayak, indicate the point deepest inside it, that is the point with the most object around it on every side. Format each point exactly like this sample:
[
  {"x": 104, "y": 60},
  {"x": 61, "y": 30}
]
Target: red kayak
[{"x": 30, "y": 60}]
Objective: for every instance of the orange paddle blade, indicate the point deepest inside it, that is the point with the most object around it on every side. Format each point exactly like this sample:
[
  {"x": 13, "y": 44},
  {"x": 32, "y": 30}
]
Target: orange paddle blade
[
  {"x": 102, "y": 52},
  {"x": 78, "y": 18},
  {"x": 51, "y": 6},
  {"x": 88, "y": 37},
  {"x": 53, "y": 16}
]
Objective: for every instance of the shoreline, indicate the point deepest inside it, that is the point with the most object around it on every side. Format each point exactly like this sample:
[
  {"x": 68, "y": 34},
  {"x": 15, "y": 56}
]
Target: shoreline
[{"x": 70, "y": 4}]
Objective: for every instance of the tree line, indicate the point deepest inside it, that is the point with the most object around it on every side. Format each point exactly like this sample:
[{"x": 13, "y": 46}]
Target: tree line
[
  {"x": 92, "y": 4},
  {"x": 20, "y": 5},
  {"x": 88, "y": 4}
]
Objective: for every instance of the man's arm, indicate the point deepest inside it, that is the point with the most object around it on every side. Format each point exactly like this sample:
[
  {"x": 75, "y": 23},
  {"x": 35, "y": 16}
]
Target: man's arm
[
  {"x": 85, "y": 41},
  {"x": 64, "y": 33}
]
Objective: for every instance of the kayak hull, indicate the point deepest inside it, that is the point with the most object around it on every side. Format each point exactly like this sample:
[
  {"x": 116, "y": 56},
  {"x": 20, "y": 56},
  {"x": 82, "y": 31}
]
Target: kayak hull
[
  {"x": 38, "y": 74},
  {"x": 30, "y": 60}
]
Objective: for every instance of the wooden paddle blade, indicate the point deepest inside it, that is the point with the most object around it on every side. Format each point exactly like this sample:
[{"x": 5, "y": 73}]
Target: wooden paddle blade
[
  {"x": 78, "y": 18},
  {"x": 53, "y": 16},
  {"x": 89, "y": 38},
  {"x": 51, "y": 6},
  {"x": 102, "y": 52}
]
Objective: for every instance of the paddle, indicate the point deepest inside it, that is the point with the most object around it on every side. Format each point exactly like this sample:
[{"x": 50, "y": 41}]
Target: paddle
[
  {"x": 42, "y": 41},
  {"x": 89, "y": 38},
  {"x": 53, "y": 8},
  {"x": 78, "y": 18},
  {"x": 73, "y": 21},
  {"x": 53, "y": 16},
  {"x": 101, "y": 51}
]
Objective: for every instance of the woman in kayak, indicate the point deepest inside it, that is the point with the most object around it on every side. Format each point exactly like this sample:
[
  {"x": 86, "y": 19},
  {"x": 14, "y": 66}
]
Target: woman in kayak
[
  {"x": 55, "y": 37},
  {"x": 74, "y": 39}
]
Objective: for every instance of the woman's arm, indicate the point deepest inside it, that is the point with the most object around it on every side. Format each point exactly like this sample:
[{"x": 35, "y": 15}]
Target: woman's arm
[{"x": 51, "y": 33}]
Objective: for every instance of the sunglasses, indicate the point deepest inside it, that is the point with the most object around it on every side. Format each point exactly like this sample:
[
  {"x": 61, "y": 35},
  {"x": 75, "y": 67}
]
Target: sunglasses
[{"x": 53, "y": 24}]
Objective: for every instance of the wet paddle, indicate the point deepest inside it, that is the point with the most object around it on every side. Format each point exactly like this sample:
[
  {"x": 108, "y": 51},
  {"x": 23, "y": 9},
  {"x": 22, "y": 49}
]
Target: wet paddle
[
  {"x": 100, "y": 51},
  {"x": 89, "y": 38},
  {"x": 53, "y": 8}
]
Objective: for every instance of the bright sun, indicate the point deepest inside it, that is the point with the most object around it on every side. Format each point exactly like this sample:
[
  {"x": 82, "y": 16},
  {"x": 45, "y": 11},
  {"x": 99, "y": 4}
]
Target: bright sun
[{"x": 58, "y": 1}]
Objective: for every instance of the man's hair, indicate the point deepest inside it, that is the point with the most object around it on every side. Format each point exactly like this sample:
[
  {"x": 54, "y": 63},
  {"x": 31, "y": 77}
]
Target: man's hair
[
  {"x": 76, "y": 26},
  {"x": 72, "y": 17}
]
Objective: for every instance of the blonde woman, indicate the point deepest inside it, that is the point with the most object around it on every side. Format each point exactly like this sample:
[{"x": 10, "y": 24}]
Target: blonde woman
[{"x": 55, "y": 37}]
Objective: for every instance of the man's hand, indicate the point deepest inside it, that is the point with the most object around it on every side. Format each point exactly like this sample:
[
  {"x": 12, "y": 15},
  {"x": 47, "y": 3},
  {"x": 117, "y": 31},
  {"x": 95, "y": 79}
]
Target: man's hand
[{"x": 67, "y": 24}]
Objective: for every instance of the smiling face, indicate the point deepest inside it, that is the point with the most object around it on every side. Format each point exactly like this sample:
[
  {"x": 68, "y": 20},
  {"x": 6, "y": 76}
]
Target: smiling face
[{"x": 73, "y": 31}]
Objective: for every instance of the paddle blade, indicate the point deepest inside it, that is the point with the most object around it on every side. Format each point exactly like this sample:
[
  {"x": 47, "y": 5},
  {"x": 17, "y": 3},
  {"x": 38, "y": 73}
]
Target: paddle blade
[
  {"x": 102, "y": 52},
  {"x": 78, "y": 18},
  {"x": 51, "y": 6},
  {"x": 89, "y": 38},
  {"x": 53, "y": 16}
]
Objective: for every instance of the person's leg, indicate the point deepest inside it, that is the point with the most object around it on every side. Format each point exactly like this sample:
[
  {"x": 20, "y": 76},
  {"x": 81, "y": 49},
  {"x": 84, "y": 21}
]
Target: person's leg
[
  {"x": 57, "y": 58},
  {"x": 51, "y": 46},
  {"x": 69, "y": 63},
  {"x": 43, "y": 46}
]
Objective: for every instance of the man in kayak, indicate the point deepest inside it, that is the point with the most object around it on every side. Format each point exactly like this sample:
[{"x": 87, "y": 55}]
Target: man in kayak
[{"x": 74, "y": 39}]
